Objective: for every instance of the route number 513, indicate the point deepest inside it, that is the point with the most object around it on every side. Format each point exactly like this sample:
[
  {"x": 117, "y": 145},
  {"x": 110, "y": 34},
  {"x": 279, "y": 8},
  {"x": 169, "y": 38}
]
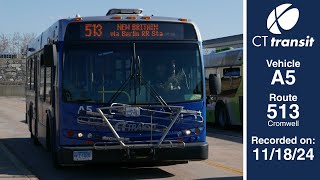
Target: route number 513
[
  {"x": 93, "y": 30},
  {"x": 272, "y": 111}
]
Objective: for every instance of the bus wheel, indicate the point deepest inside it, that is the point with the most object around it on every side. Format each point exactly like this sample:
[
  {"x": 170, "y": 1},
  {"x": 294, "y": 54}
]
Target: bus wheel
[
  {"x": 33, "y": 137},
  {"x": 52, "y": 146},
  {"x": 29, "y": 122},
  {"x": 26, "y": 118},
  {"x": 35, "y": 140},
  {"x": 48, "y": 138},
  {"x": 55, "y": 160},
  {"x": 222, "y": 119}
]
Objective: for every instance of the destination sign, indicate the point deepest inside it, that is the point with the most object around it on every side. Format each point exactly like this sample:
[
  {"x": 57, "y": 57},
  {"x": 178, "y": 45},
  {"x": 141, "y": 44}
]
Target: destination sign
[{"x": 130, "y": 31}]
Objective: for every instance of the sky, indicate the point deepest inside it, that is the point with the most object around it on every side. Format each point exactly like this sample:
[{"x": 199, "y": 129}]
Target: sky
[{"x": 215, "y": 18}]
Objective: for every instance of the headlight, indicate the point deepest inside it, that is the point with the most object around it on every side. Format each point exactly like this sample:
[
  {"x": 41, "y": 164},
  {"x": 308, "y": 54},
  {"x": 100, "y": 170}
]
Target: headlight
[
  {"x": 89, "y": 135},
  {"x": 187, "y": 132},
  {"x": 80, "y": 135}
]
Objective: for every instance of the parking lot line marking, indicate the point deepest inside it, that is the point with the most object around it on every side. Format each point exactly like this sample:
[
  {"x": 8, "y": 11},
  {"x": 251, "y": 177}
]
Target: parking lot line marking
[{"x": 224, "y": 167}]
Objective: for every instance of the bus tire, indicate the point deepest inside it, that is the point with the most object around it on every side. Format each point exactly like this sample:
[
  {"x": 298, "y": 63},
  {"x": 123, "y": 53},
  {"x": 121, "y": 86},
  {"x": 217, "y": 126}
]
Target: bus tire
[
  {"x": 222, "y": 118},
  {"x": 35, "y": 140},
  {"x": 33, "y": 137},
  {"x": 48, "y": 134},
  {"x": 56, "y": 163},
  {"x": 26, "y": 118},
  {"x": 29, "y": 120},
  {"x": 54, "y": 155}
]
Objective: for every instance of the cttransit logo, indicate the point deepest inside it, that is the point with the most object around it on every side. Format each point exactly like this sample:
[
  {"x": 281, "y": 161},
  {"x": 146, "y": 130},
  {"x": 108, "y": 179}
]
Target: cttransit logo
[{"x": 282, "y": 19}]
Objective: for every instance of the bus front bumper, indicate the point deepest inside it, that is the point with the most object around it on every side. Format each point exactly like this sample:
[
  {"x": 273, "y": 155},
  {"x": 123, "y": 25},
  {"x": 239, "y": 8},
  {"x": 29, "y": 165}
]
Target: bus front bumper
[{"x": 191, "y": 151}]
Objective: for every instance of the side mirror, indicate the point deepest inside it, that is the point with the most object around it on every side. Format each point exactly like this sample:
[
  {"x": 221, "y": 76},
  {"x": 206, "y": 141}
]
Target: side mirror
[
  {"x": 49, "y": 55},
  {"x": 214, "y": 84}
]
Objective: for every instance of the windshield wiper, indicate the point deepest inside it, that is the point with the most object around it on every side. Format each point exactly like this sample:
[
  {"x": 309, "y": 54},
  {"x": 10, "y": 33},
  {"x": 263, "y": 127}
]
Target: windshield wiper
[
  {"x": 136, "y": 76},
  {"x": 139, "y": 74},
  {"x": 124, "y": 85},
  {"x": 141, "y": 78},
  {"x": 156, "y": 94},
  {"x": 136, "y": 65}
]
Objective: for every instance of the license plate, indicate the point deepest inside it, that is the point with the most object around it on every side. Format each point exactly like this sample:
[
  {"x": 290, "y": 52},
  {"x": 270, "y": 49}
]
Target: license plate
[
  {"x": 132, "y": 112},
  {"x": 82, "y": 155}
]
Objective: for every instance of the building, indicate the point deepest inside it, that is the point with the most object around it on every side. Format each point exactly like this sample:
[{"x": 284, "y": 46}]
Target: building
[{"x": 8, "y": 56}]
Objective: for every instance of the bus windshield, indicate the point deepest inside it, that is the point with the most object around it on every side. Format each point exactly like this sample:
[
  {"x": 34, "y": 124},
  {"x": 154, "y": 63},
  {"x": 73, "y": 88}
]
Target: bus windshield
[{"x": 132, "y": 73}]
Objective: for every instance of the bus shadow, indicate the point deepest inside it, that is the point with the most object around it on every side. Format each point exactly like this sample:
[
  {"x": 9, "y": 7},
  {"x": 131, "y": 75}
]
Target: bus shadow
[
  {"x": 10, "y": 167},
  {"x": 224, "y": 178},
  {"x": 23, "y": 121},
  {"x": 233, "y": 134},
  {"x": 38, "y": 161}
]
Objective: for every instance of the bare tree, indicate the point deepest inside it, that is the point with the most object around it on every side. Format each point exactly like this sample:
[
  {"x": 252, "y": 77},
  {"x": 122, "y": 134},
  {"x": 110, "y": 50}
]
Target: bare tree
[
  {"x": 15, "y": 43},
  {"x": 25, "y": 40},
  {"x": 4, "y": 43}
]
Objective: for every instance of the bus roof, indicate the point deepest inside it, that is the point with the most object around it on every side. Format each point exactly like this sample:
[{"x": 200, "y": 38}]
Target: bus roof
[
  {"x": 57, "y": 31},
  {"x": 233, "y": 57}
]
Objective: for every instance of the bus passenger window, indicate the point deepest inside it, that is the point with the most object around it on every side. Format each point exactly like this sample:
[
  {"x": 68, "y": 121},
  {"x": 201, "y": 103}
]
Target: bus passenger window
[
  {"x": 27, "y": 74},
  {"x": 48, "y": 84},
  {"x": 35, "y": 80},
  {"x": 32, "y": 74},
  {"x": 42, "y": 76},
  {"x": 231, "y": 80},
  {"x": 231, "y": 72}
]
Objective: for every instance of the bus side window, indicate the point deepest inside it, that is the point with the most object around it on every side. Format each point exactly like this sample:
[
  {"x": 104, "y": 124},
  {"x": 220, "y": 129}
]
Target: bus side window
[
  {"x": 42, "y": 79},
  {"x": 48, "y": 84},
  {"x": 35, "y": 69},
  {"x": 27, "y": 73},
  {"x": 32, "y": 74},
  {"x": 231, "y": 80},
  {"x": 231, "y": 72}
]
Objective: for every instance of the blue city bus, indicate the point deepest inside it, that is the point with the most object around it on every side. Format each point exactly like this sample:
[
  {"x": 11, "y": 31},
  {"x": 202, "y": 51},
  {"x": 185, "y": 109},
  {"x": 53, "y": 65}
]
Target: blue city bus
[{"x": 118, "y": 88}]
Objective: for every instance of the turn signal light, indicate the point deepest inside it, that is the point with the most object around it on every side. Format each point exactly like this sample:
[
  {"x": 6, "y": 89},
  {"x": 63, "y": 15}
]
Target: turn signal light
[
  {"x": 77, "y": 19},
  {"x": 117, "y": 17},
  {"x": 90, "y": 142},
  {"x": 183, "y": 19},
  {"x": 146, "y": 17},
  {"x": 197, "y": 131},
  {"x": 132, "y": 17},
  {"x": 70, "y": 133}
]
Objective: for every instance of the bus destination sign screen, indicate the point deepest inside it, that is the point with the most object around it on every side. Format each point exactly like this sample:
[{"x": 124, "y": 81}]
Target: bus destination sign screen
[{"x": 130, "y": 31}]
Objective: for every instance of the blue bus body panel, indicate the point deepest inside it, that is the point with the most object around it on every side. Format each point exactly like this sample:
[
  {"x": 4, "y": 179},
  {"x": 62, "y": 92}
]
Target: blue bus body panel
[{"x": 68, "y": 121}]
